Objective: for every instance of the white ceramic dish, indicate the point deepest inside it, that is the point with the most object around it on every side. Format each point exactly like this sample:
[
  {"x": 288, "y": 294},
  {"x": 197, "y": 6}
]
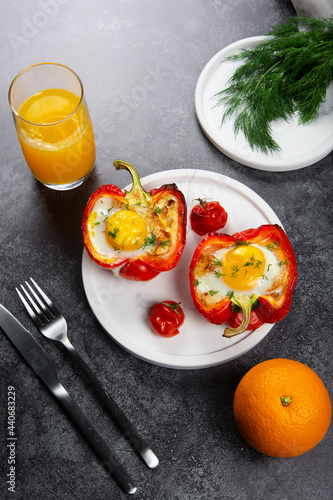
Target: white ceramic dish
[
  {"x": 301, "y": 145},
  {"x": 122, "y": 307}
]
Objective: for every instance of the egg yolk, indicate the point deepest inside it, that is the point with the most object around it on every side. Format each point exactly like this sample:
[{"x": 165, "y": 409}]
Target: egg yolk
[
  {"x": 242, "y": 266},
  {"x": 126, "y": 230}
]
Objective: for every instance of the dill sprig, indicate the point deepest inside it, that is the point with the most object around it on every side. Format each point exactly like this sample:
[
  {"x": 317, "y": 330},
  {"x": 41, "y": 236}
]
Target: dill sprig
[{"x": 287, "y": 74}]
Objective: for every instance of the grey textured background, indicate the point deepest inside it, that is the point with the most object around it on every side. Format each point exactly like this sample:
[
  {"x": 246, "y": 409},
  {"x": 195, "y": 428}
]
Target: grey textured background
[{"x": 140, "y": 61}]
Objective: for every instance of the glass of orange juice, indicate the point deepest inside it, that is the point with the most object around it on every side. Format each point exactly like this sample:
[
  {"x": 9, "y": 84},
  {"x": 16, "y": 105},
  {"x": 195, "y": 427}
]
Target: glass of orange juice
[{"x": 53, "y": 124}]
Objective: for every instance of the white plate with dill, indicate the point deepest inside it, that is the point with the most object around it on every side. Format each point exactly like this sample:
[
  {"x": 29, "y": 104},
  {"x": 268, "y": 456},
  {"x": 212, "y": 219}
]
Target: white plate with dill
[
  {"x": 300, "y": 145},
  {"x": 122, "y": 307}
]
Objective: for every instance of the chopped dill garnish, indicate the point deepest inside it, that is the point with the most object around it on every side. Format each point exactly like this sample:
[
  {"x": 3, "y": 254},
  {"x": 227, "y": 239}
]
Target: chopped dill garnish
[
  {"x": 241, "y": 243},
  {"x": 272, "y": 246},
  {"x": 113, "y": 233},
  {"x": 258, "y": 264},
  {"x": 249, "y": 263},
  {"x": 174, "y": 307},
  {"x": 235, "y": 270},
  {"x": 216, "y": 261},
  {"x": 149, "y": 240},
  {"x": 165, "y": 243}
]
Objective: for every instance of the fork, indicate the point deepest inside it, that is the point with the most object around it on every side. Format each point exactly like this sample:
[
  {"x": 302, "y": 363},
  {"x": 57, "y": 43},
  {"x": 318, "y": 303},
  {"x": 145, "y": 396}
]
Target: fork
[{"x": 52, "y": 324}]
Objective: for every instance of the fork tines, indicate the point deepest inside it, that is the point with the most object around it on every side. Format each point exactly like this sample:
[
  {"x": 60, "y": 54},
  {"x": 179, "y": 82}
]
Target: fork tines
[{"x": 38, "y": 309}]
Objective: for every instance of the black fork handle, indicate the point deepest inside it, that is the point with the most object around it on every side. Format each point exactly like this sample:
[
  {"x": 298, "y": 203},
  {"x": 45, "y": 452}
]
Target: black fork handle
[{"x": 130, "y": 432}]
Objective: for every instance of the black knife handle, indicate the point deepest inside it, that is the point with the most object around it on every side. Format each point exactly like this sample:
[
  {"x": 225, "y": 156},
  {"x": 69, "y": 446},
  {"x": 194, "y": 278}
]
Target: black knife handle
[
  {"x": 37, "y": 358},
  {"x": 97, "y": 443},
  {"x": 130, "y": 432}
]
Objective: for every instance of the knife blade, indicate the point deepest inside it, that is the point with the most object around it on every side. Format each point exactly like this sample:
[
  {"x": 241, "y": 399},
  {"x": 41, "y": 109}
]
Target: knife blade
[{"x": 46, "y": 370}]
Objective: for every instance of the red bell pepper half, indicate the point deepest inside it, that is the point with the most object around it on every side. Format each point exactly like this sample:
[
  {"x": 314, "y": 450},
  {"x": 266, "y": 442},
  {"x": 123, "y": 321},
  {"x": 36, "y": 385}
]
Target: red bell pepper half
[
  {"x": 252, "y": 273},
  {"x": 136, "y": 233}
]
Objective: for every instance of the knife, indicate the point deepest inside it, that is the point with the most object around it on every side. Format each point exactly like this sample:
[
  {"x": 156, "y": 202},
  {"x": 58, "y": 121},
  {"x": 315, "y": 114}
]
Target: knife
[{"x": 37, "y": 358}]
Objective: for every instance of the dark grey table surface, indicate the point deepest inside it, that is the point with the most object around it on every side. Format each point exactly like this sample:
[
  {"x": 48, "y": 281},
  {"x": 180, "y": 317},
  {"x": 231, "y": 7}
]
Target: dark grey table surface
[{"x": 140, "y": 61}]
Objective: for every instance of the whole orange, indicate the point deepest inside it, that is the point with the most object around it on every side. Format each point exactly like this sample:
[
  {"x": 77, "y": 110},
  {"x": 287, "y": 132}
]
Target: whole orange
[{"x": 282, "y": 408}]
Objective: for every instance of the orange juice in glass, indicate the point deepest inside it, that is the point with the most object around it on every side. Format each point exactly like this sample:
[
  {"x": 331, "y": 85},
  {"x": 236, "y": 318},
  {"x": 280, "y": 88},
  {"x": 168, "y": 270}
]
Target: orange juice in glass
[{"x": 53, "y": 125}]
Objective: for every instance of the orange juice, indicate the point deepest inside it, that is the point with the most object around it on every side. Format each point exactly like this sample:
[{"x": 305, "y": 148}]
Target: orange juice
[{"x": 56, "y": 136}]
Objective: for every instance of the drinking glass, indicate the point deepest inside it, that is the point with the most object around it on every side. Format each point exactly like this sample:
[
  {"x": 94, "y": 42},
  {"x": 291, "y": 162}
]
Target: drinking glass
[{"x": 53, "y": 124}]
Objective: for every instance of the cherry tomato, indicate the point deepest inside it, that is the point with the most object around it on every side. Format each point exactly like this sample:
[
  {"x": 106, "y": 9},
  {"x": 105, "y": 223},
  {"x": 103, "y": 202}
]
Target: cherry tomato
[
  {"x": 166, "y": 318},
  {"x": 237, "y": 317},
  {"x": 207, "y": 217}
]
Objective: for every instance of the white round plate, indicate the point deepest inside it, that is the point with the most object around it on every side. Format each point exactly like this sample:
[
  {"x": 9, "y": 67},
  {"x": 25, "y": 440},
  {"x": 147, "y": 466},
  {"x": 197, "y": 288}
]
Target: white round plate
[
  {"x": 122, "y": 307},
  {"x": 301, "y": 145}
]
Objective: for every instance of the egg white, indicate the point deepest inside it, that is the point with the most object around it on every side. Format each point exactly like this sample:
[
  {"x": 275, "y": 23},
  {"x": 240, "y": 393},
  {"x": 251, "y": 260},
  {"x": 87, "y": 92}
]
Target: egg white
[
  {"x": 104, "y": 208},
  {"x": 217, "y": 288}
]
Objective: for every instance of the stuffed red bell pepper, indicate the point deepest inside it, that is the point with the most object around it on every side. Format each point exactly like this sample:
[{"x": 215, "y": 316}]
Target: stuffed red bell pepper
[
  {"x": 253, "y": 272},
  {"x": 136, "y": 233}
]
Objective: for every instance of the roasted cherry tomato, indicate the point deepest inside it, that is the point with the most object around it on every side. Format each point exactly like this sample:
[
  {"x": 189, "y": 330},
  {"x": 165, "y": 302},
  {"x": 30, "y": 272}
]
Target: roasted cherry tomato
[
  {"x": 236, "y": 320},
  {"x": 207, "y": 217},
  {"x": 166, "y": 318}
]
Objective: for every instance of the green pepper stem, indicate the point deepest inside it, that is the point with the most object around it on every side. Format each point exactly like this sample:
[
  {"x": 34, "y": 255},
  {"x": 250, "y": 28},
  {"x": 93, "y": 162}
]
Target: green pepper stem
[
  {"x": 245, "y": 302},
  {"x": 136, "y": 195}
]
